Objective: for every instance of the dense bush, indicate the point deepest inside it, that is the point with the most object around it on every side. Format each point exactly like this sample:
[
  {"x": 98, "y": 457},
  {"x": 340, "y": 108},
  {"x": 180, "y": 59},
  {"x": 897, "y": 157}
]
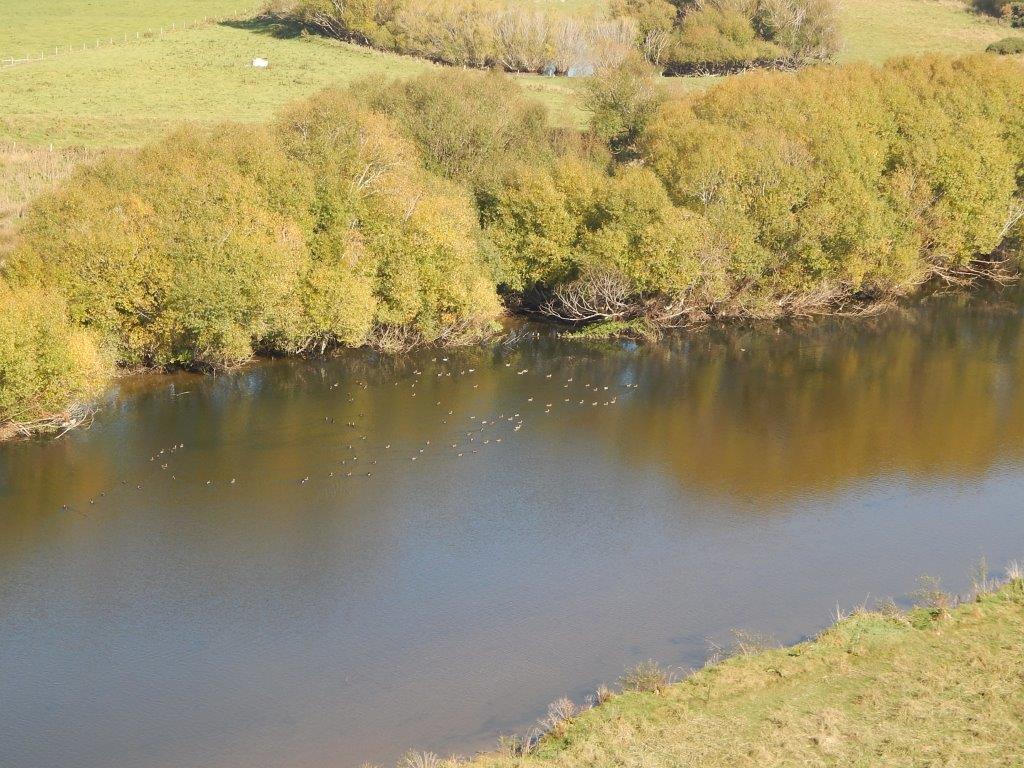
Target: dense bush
[
  {"x": 1008, "y": 46},
  {"x": 179, "y": 254},
  {"x": 46, "y": 363},
  {"x": 682, "y": 36},
  {"x": 555, "y": 225},
  {"x": 467, "y": 126},
  {"x": 845, "y": 180},
  {"x": 470, "y": 33},
  {"x": 708, "y": 36},
  {"x": 1014, "y": 14},
  {"x": 321, "y": 229},
  {"x": 711, "y": 39},
  {"x": 776, "y": 193}
]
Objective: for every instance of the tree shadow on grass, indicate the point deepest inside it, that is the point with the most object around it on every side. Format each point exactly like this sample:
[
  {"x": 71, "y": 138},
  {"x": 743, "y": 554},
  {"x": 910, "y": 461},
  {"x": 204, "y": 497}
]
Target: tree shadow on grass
[{"x": 281, "y": 29}]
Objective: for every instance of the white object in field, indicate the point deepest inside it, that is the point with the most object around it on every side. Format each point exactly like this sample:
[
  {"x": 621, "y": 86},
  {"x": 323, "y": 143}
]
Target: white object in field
[{"x": 260, "y": 63}]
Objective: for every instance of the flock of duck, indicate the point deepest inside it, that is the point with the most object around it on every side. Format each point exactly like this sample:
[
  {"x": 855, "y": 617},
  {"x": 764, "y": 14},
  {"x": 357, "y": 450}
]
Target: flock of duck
[{"x": 463, "y": 436}]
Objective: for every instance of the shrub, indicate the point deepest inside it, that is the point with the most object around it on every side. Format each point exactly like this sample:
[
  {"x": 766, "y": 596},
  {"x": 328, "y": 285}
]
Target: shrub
[
  {"x": 47, "y": 365},
  {"x": 655, "y": 21},
  {"x": 1008, "y": 46},
  {"x": 645, "y": 677},
  {"x": 711, "y": 35},
  {"x": 409, "y": 239},
  {"x": 991, "y": 7},
  {"x": 714, "y": 40},
  {"x": 560, "y": 713},
  {"x": 1012, "y": 12},
  {"x": 728, "y": 35}
]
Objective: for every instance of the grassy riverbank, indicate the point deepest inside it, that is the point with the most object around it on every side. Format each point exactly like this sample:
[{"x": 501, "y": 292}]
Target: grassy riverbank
[{"x": 936, "y": 686}]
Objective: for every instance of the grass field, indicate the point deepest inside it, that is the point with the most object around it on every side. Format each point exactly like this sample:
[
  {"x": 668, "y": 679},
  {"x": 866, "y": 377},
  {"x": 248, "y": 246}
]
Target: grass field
[
  {"x": 875, "y": 30},
  {"x": 877, "y": 689},
  {"x": 122, "y": 94},
  {"x": 32, "y": 27},
  {"x": 126, "y": 93}
]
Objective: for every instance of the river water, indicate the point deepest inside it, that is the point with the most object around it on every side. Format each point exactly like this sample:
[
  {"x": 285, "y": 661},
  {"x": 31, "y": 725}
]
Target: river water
[{"x": 521, "y": 522}]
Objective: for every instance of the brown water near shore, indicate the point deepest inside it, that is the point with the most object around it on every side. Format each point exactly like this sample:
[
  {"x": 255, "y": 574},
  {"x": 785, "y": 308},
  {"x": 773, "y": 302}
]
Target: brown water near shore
[{"x": 521, "y": 522}]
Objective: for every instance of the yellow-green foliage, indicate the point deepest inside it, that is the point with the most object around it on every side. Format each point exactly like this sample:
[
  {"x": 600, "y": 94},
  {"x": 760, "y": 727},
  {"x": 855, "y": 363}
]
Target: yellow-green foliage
[
  {"x": 777, "y": 192},
  {"x": 852, "y": 178},
  {"x": 551, "y": 225},
  {"x": 213, "y": 244},
  {"x": 687, "y": 36},
  {"x": 468, "y": 126},
  {"x": 178, "y": 253},
  {"x": 469, "y": 33},
  {"x": 46, "y": 363},
  {"x": 408, "y": 239},
  {"x": 713, "y": 39}
]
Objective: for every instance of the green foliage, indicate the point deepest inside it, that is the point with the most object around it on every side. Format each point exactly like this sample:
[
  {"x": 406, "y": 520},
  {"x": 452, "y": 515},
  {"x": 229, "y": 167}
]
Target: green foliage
[
  {"x": 715, "y": 40},
  {"x": 807, "y": 29},
  {"x": 46, "y": 363},
  {"x": 1008, "y": 46},
  {"x": 179, "y": 254},
  {"x": 711, "y": 36}
]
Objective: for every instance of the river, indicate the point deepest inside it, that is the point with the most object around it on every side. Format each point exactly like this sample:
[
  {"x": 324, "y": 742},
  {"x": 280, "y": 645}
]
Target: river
[{"x": 320, "y": 563}]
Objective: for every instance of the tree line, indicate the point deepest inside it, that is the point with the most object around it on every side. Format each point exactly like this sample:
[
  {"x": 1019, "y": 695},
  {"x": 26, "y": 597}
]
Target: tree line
[
  {"x": 395, "y": 214},
  {"x": 677, "y": 36}
]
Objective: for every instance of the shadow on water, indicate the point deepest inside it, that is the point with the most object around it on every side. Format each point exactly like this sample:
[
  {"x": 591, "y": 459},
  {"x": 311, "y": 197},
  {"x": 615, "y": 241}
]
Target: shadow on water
[{"x": 326, "y": 562}]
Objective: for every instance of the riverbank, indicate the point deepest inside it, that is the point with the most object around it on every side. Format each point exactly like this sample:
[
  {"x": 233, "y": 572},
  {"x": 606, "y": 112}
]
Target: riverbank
[
  {"x": 940, "y": 684},
  {"x": 383, "y": 236}
]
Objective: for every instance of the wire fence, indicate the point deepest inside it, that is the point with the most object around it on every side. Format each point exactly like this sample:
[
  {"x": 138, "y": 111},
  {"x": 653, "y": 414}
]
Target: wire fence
[{"x": 123, "y": 38}]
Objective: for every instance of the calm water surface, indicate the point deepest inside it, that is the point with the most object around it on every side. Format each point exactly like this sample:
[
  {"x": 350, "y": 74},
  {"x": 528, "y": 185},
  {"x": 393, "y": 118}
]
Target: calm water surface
[{"x": 537, "y": 516}]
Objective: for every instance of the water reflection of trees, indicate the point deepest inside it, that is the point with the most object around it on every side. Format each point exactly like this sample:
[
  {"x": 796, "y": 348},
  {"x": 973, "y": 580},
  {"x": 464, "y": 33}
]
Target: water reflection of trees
[
  {"x": 783, "y": 410},
  {"x": 754, "y": 411}
]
